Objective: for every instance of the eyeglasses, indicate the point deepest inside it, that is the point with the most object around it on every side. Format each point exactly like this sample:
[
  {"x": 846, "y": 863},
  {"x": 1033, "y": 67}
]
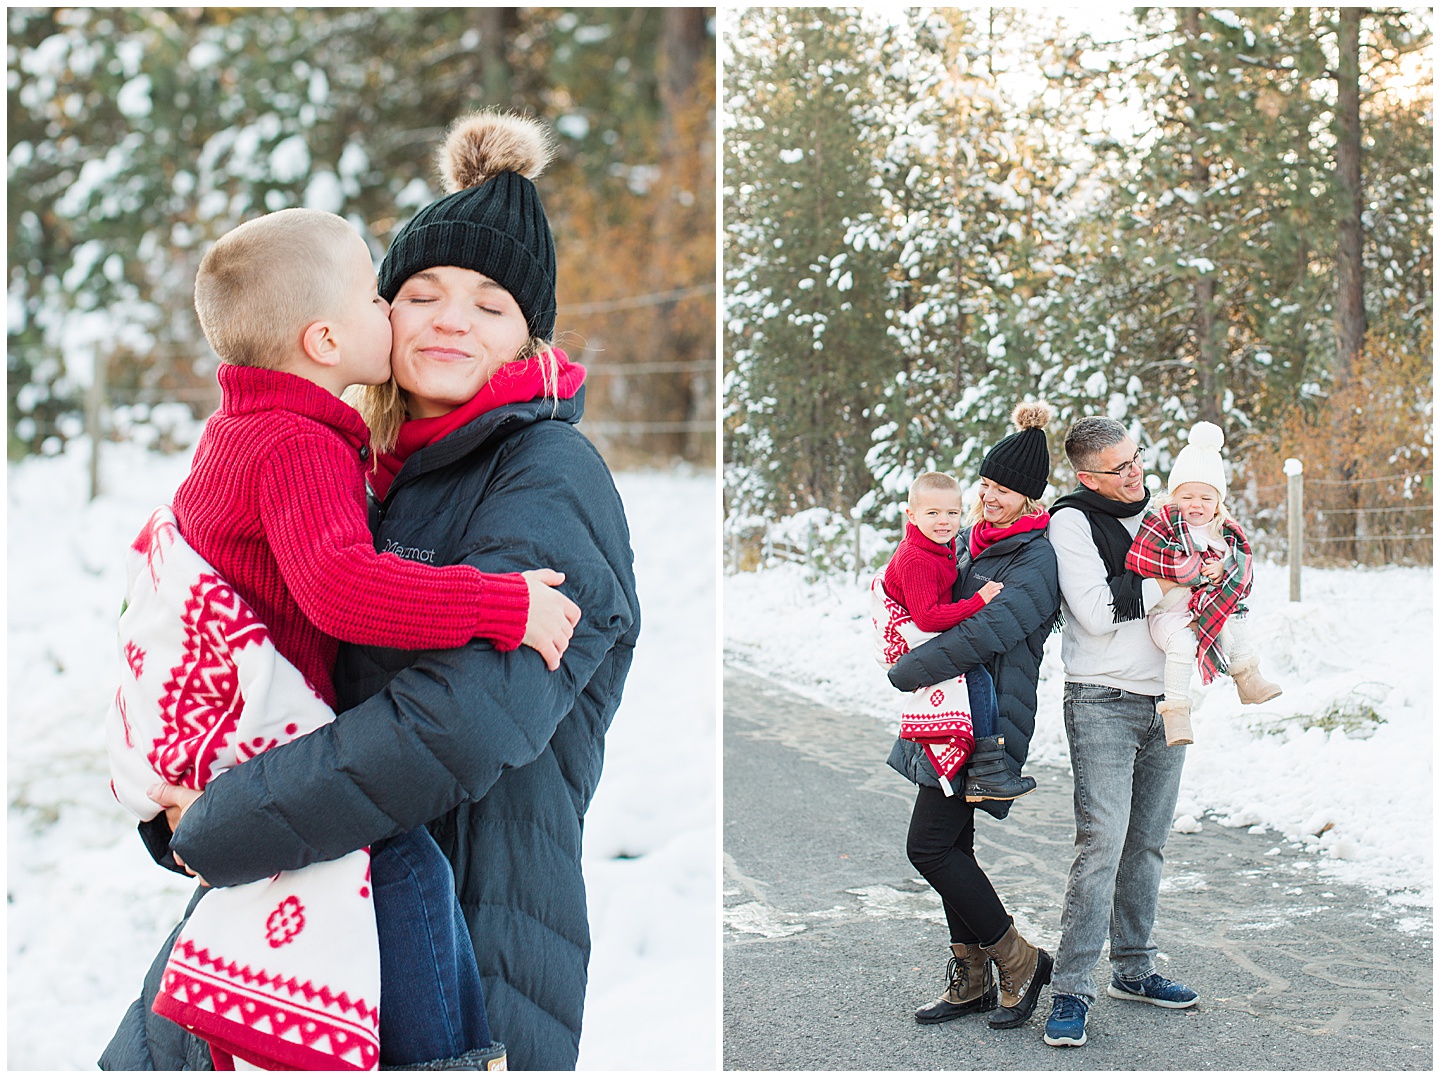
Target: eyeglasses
[{"x": 1131, "y": 465}]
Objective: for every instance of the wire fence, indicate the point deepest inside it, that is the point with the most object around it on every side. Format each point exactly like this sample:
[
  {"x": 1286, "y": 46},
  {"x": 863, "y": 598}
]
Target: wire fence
[
  {"x": 1364, "y": 520},
  {"x": 1371, "y": 520}
]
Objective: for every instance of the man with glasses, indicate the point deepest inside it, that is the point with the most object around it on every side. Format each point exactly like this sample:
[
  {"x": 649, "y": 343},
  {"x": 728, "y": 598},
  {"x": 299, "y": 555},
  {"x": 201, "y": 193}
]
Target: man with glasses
[{"x": 1126, "y": 778}]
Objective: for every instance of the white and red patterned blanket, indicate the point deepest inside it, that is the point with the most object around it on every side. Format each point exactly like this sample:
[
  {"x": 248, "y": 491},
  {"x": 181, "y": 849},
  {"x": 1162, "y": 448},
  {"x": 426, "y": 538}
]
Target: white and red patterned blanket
[
  {"x": 935, "y": 716},
  {"x": 283, "y": 973}
]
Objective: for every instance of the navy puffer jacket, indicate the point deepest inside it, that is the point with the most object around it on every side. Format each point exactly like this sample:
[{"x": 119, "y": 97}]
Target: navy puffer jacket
[
  {"x": 1007, "y": 637},
  {"x": 497, "y": 754}
]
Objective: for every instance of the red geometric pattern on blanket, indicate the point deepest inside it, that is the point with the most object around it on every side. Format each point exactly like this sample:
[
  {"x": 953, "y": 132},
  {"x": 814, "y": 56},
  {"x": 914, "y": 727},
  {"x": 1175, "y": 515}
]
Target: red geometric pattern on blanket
[
  {"x": 285, "y": 923},
  {"x": 946, "y": 757},
  {"x": 268, "y": 1019},
  {"x": 946, "y": 736},
  {"x": 894, "y": 643},
  {"x": 124, "y": 720},
  {"x": 147, "y": 542},
  {"x": 217, "y": 623}
]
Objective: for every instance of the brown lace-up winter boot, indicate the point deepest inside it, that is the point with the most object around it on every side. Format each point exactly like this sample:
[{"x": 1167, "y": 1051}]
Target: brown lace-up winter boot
[
  {"x": 970, "y": 987},
  {"x": 1024, "y": 970}
]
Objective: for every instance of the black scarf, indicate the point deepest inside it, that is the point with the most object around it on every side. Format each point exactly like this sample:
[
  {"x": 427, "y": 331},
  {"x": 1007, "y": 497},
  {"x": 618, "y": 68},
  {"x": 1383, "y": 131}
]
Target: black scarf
[{"x": 1113, "y": 543}]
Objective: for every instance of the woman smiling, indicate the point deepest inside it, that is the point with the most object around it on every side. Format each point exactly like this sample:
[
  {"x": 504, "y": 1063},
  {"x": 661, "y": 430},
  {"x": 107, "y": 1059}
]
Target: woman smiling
[{"x": 1005, "y": 542}]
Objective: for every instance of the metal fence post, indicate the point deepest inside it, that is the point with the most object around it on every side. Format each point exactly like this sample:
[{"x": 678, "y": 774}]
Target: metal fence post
[{"x": 1295, "y": 510}]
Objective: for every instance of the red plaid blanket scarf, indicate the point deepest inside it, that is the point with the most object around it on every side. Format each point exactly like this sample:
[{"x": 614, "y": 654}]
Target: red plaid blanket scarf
[
  {"x": 284, "y": 972},
  {"x": 1165, "y": 548},
  {"x": 937, "y": 717}
]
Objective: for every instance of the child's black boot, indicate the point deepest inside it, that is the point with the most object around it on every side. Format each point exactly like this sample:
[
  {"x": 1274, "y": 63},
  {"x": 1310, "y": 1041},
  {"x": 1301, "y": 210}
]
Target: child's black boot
[{"x": 988, "y": 776}]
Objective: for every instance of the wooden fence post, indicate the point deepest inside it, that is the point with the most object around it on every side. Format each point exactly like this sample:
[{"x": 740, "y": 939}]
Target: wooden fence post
[
  {"x": 95, "y": 394},
  {"x": 855, "y": 515},
  {"x": 1295, "y": 511}
]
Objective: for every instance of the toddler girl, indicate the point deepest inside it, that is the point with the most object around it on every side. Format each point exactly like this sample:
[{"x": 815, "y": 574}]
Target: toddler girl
[{"x": 1188, "y": 538}]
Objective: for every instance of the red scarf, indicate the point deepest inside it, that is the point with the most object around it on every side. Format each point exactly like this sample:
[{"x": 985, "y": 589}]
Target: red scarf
[
  {"x": 513, "y": 383},
  {"x": 985, "y": 534}
]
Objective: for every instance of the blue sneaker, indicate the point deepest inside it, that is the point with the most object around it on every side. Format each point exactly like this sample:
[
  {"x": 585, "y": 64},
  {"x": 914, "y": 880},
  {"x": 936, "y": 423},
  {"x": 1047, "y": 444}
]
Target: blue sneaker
[
  {"x": 1153, "y": 989},
  {"x": 1066, "y": 1024}
]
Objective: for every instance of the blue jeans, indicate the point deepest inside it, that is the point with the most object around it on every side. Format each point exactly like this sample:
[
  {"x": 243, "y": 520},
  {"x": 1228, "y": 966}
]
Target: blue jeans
[
  {"x": 984, "y": 711},
  {"x": 1126, "y": 785},
  {"x": 431, "y": 1003}
]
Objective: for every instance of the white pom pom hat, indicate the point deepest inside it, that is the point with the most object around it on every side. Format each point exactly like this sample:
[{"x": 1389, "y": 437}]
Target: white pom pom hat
[{"x": 1200, "y": 461}]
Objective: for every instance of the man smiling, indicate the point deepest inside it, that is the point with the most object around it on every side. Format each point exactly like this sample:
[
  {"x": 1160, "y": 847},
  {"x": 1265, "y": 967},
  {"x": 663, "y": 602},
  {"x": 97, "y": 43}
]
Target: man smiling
[{"x": 1126, "y": 778}]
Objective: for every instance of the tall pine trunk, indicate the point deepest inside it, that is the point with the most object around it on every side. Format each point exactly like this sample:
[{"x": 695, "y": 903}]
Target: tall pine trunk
[
  {"x": 1209, "y": 358},
  {"x": 497, "y": 26},
  {"x": 1349, "y": 272},
  {"x": 669, "y": 397},
  {"x": 1349, "y": 250}
]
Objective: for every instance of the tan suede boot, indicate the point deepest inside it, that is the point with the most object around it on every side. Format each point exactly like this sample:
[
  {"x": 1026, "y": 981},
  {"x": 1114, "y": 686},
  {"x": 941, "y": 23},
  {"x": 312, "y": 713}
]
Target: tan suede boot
[
  {"x": 970, "y": 988},
  {"x": 1023, "y": 971},
  {"x": 1176, "y": 714},
  {"x": 1251, "y": 684}
]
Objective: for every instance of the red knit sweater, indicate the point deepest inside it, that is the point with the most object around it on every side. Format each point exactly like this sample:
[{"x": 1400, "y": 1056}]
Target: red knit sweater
[
  {"x": 919, "y": 578},
  {"x": 275, "y": 501}
]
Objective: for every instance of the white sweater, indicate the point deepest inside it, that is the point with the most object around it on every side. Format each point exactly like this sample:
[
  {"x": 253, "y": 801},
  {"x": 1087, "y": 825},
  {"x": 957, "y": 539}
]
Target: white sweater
[{"x": 1095, "y": 648}]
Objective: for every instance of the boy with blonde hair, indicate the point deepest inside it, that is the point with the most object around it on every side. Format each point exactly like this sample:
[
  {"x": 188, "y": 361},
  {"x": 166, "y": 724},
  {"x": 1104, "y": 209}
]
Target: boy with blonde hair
[
  {"x": 275, "y": 503},
  {"x": 911, "y": 604}
]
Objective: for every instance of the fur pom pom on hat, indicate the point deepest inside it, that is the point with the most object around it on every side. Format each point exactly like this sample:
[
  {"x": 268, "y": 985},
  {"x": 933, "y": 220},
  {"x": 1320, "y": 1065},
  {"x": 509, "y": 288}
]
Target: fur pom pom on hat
[
  {"x": 482, "y": 145},
  {"x": 1021, "y": 461},
  {"x": 1199, "y": 461},
  {"x": 492, "y": 221}
]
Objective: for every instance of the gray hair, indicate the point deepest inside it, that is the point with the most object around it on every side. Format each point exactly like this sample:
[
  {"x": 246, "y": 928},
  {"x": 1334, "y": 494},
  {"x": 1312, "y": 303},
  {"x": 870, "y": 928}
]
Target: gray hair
[{"x": 1090, "y": 437}]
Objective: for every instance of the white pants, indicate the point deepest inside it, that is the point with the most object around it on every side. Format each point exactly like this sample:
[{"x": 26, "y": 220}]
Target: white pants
[{"x": 1170, "y": 628}]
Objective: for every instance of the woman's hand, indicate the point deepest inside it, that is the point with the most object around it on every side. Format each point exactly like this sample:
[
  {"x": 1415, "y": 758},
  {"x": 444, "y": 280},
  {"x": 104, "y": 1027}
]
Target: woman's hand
[
  {"x": 989, "y": 590},
  {"x": 552, "y": 618},
  {"x": 1165, "y": 585},
  {"x": 176, "y": 801}
]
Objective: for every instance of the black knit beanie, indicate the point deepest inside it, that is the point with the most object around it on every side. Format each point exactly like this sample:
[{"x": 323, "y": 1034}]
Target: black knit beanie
[
  {"x": 1021, "y": 461},
  {"x": 492, "y": 222}
]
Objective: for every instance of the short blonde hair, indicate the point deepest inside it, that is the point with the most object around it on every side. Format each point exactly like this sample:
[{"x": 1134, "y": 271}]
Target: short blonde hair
[
  {"x": 384, "y": 407},
  {"x": 936, "y": 481},
  {"x": 266, "y": 280}
]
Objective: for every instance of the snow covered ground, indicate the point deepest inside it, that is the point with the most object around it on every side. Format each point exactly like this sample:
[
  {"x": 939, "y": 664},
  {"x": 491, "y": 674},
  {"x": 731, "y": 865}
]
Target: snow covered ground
[
  {"x": 87, "y": 908},
  {"x": 1356, "y": 656}
]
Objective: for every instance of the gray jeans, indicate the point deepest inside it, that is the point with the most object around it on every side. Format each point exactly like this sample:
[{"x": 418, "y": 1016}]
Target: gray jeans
[{"x": 1126, "y": 785}]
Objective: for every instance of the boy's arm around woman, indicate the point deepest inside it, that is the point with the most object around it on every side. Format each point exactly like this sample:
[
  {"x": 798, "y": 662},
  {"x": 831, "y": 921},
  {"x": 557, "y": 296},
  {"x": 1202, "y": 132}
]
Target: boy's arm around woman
[
  {"x": 1026, "y": 603},
  {"x": 445, "y": 727}
]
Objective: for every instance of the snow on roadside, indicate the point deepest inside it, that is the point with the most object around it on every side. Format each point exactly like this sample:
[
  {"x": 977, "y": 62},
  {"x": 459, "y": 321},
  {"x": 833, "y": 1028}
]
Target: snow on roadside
[
  {"x": 88, "y": 910},
  {"x": 1357, "y": 801}
]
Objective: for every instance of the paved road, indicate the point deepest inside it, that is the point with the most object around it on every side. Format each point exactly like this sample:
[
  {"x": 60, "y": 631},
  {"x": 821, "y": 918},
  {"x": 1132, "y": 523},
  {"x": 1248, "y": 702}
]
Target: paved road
[{"x": 831, "y": 939}]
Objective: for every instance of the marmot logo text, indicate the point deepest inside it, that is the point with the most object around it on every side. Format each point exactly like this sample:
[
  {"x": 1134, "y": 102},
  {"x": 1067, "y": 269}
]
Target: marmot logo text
[{"x": 410, "y": 553}]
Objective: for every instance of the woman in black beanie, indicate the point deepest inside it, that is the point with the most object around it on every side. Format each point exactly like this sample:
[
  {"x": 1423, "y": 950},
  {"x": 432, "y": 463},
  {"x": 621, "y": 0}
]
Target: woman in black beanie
[
  {"x": 477, "y": 461},
  {"x": 1005, "y": 542}
]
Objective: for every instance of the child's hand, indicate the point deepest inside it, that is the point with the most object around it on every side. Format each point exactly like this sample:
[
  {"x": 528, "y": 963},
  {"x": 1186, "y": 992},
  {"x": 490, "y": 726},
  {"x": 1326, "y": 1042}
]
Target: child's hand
[
  {"x": 1213, "y": 571},
  {"x": 989, "y": 590},
  {"x": 177, "y": 801},
  {"x": 552, "y": 617}
]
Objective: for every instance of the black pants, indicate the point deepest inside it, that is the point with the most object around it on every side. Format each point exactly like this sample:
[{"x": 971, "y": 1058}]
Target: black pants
[{"x": 941, "y": 846}]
